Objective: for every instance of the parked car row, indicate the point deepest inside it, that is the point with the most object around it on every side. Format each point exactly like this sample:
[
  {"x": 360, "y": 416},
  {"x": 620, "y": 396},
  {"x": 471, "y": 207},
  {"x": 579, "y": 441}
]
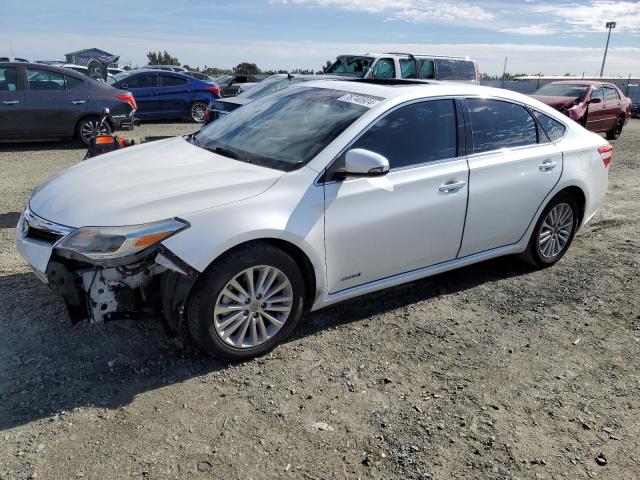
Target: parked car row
[{"x": 309, "y": 196}]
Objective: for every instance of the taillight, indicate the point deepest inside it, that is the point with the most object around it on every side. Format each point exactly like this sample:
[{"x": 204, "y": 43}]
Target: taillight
[
  {"x": 128, "y": 98},
  {"x": 606, "y": 153},
  {"x": 213, "y": 89}
]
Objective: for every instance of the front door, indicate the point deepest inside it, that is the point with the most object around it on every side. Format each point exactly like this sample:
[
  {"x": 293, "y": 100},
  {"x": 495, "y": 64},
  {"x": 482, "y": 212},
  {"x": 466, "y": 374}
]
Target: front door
[
  {"x": 595, "y": 113},
  {"x": 511, "y": 171},
  {"x": 412, "y": 217},
  {"x": 12, "y": 105}
]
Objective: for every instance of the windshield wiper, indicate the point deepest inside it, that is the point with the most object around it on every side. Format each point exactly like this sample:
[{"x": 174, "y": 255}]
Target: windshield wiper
[
  {"x": 191, "y": 138},
  {"x": 228, "y": 153}
]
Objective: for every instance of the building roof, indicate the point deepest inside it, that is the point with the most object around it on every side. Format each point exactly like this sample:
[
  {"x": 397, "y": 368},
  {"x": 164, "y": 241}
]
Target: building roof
[{"x": 90, "y": 50}]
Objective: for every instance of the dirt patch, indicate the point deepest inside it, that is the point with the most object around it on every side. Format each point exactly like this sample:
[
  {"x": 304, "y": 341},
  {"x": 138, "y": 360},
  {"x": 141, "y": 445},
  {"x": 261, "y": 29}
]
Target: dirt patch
[{"x": 494, "y": 371}]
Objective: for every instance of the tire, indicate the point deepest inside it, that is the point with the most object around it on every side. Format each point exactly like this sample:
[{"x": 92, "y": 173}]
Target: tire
[
  {"x": 197, "y": 112},
  {"x": 210, "y": 312},
  {"x": 615, "y": 132},
  {"x": 88, "y": 125},
  {"x": 541, "y": 253}
]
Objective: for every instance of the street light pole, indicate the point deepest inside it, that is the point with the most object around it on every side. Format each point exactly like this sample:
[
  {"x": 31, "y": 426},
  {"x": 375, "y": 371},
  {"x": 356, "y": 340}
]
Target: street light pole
[{"x": 610, "y": 26}]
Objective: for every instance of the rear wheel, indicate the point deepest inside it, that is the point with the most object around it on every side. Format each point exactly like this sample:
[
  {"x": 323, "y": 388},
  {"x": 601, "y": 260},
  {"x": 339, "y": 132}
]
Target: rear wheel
[
  {"x": 554, "y": 232},
  {"x": 88, "y": 126},
  {"x": 615, "y": 132},
  {"x": 197, "y": 112},
  {"x": 247, "y": 303}
]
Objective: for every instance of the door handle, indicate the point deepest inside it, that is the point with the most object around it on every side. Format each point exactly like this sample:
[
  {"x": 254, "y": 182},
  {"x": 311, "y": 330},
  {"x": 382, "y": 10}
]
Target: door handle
[
  {"x": 547, "y": 166},
  {"x": 10, "y": 102},
  {"x": 79, "y": 102},
  {"x": 451, "y": 187}
]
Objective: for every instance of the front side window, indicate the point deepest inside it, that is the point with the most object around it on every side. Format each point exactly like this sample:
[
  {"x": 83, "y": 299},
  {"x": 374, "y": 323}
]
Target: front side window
[
  {"x": 171, "y": 81},
  {"x": 408, "y": 68},
  {"x": 8, "y": 79},
  {"x": 45, "y": 80},
  {"x": 141, "y": 81},
  {"x": 597, "y": 93},
  {"x": 453, "y": 69},
  {"x": 553, "y": 128},
  {"x": 610, "y": 93},
  {"x": 498, "y": 124},
  {"x": 384, "y": 68},
  {"x": 414, "y": 134},
  {"x": 286, "y": 129}
]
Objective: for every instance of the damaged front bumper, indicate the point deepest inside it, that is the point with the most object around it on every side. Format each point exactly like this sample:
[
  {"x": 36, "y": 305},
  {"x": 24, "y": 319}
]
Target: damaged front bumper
[{"x": 155, "y": 281}]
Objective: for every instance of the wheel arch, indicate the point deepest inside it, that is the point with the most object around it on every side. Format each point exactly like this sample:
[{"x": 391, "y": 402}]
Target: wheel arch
[
  {"x": 578, "y": 194},
  {"x": 309, "y": 271}
]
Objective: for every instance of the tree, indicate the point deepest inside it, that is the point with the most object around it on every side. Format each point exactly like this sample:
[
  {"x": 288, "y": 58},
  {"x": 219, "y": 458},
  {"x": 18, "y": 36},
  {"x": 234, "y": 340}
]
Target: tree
[
  {"x": 326, "y": 66},
  {"x": 162, "y": 58},
  {"x": 246, "y": 68}
]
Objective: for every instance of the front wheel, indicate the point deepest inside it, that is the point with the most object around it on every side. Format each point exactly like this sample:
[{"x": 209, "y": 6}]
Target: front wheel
[
  {"x": 554, "y": 232},
  {"x": 247, "y": 303},
  {"x": 615, "y": 132},
  {"x": 197, "y": 112}
]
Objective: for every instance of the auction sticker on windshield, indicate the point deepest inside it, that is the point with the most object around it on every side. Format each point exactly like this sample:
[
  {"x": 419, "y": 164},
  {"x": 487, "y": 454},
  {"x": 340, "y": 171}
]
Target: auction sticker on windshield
[{"x": 363, "y": 100}]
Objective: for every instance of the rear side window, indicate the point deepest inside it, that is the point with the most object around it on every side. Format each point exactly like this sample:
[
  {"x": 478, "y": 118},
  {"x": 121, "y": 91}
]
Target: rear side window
[
  {"x": 45, "y": 80},
  {"x": 414, "y": 134},
  {"x": 553, "y": 128},
  {"x": 8, "y": 79},
  {"x": 384, "y": 68},
  {"x": 407, "y": 68},
  {"x": 72, "y": 82},
  {"x": 451, "y": 69},
  {"x": 171, "y": 81},
  {"x": 496, "y": 124},
  {"x": 610, "y": 93}
]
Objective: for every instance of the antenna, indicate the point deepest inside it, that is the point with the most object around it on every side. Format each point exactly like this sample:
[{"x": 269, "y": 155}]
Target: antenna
[{"x": 11, "y": 48}]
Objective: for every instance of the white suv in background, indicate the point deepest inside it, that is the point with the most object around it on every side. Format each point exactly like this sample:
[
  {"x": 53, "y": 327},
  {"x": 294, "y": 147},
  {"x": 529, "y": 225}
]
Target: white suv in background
[
  {"x": 309, "y": 196},
  {"x": 406, "y": 65}
]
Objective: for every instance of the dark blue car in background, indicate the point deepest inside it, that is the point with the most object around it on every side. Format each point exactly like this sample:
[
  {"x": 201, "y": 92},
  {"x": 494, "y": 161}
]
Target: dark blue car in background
[{"x": 165, "y": 94}]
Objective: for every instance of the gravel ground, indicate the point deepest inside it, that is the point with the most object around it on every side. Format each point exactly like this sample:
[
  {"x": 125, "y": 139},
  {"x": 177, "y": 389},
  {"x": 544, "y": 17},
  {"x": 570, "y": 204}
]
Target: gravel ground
[{"x": 494, "y": 371}]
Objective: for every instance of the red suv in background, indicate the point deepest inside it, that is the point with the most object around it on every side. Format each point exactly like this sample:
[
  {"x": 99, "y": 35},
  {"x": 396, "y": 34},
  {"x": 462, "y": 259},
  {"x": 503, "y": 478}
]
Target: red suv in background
[{"x": 597, "y": 106}]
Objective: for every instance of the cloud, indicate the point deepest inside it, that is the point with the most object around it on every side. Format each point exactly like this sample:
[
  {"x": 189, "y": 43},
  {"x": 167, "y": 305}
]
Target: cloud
[
  {"x": 591, "y": 16},
  {"x": 532, "y": 30},
  {"x": 416, "y": 11}
]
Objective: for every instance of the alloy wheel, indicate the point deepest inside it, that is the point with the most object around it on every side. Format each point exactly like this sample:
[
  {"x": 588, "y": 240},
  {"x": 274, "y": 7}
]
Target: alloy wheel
[
  {"x": 618, "y": 127},
  {"x": 253, "y": 306},
  {"x": 90, "y": 128},
  {"x": 556, "y": 230},
  {"x": 198, "y": 112}
]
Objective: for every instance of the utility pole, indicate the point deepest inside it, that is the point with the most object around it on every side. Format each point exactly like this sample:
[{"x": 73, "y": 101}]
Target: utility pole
[
  {"x": 610, "y": 26},
  {"x": 504, "y": 70}
]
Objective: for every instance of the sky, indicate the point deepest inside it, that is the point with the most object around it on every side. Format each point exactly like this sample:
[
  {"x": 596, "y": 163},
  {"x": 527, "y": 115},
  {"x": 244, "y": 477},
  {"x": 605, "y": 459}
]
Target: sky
[{"x": 548, "y": 36}]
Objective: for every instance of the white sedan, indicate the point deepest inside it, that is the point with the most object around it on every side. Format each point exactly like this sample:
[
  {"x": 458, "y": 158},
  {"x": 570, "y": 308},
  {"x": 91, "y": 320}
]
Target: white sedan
[{"x": 307, "y": 197}]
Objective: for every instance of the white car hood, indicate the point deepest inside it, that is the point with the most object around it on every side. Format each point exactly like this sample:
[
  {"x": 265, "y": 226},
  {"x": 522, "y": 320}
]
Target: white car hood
[{"x": 145, "y": 183}]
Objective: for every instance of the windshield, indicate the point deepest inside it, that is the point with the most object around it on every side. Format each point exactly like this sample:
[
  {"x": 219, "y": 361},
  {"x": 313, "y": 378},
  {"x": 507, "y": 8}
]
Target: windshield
[
  {"x": 222, "y": 79},
  {"x": 353, "y": 66},
  {"x": 286, "y": 129},
  {"x": 562, "y": 90},
  {"x": 118, "y": 77},
  {"x": 270, "y": 85}
]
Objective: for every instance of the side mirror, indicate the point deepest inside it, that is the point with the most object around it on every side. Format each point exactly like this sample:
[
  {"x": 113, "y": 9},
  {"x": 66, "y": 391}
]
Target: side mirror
[
  {"x": 595, "y": 100},
  {"x": 363, "y": 163}
]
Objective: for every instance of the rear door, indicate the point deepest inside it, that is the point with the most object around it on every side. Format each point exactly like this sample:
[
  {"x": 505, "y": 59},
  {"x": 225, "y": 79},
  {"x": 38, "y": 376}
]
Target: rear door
[
  {"x": 512, "y": 169},
  {"x": 612, "y": 108},
  {"x": 12, "y": 104},
  {"x": 55, "y": 101},
  {"x": 175, "y": 94},
  {"x": 144, "y": 87}
]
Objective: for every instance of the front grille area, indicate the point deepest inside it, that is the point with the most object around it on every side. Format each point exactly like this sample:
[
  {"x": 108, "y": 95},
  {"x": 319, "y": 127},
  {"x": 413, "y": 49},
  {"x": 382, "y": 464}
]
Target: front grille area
[{"x": 43, "y": 235}]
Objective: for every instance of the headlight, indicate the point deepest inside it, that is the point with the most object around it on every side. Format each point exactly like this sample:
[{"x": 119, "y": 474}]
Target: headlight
[{"x": 109, "y": 244}]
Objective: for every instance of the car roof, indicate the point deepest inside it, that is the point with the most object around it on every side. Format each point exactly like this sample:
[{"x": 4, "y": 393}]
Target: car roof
[
  {"x": 418, "y": 89},
  {"x": 405, "y": 54},
  {"x": 581, "y": 82},
  {"x": 43, "y": 66}
]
